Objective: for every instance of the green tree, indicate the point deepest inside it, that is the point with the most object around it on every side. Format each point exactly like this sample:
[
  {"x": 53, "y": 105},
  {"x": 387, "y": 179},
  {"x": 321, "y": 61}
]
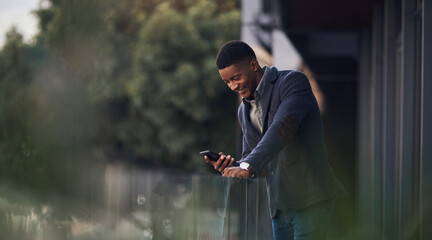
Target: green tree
[
  {"x": 134, "y": 77},
  {"x": 178, "y": 103},
  {"x": 19, "y": 152}
]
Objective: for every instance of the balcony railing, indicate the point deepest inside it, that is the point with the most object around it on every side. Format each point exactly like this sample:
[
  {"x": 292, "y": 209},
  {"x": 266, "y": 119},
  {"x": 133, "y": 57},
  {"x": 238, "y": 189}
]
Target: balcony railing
[{"x": 117, "y": 202}]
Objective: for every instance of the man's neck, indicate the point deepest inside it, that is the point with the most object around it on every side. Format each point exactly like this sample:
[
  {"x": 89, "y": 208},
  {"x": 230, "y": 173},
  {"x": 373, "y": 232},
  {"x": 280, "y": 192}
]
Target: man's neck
[{"x": 260, "y": 74}]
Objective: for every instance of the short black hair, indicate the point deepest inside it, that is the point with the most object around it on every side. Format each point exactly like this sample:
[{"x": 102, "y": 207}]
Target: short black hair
[{"x": 233, "y": 52}]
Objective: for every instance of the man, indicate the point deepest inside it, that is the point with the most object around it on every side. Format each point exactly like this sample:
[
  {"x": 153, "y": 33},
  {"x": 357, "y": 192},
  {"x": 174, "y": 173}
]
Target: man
[{"x": 283, "y": 141}]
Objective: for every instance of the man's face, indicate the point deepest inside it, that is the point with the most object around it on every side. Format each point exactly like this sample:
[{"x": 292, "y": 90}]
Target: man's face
[{"x": 241, "y": 77}]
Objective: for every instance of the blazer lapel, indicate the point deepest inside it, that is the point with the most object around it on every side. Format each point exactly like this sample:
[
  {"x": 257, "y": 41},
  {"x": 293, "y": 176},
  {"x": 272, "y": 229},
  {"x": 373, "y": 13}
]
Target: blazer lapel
[{"x": 266, "y": 97}]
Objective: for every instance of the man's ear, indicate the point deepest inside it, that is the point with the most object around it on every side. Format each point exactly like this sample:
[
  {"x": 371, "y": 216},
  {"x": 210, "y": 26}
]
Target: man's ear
[{"x": 254, "y": 65}]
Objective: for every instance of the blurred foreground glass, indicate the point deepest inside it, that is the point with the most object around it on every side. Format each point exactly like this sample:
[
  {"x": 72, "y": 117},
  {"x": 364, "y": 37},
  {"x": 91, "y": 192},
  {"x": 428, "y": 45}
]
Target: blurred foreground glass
[{"x": 118, "y": 202}]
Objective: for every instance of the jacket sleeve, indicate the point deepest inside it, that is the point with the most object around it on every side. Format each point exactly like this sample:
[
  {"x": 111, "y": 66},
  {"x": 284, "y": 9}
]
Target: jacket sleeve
[{"x": 296, "y": 100}]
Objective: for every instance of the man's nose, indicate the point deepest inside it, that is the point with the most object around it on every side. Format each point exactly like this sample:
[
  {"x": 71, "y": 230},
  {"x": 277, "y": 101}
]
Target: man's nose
[{"x": 233, "y": 86}]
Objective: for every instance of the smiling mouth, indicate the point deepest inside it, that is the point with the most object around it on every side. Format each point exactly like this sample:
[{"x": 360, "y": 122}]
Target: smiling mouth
[{"x": 241, "y": 91}]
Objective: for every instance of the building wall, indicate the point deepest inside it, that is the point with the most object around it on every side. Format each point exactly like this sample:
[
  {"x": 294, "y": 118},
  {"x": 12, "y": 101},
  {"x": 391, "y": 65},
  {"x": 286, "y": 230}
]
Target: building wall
[{"x": 394, "y": 186}]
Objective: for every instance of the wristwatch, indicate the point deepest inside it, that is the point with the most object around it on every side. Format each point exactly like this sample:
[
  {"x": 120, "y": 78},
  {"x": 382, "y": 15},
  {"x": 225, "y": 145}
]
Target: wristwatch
[{"x": 246, "y": 166}]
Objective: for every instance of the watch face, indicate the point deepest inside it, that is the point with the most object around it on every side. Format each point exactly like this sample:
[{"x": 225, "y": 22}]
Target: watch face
[{"x": 244, "y": 165}]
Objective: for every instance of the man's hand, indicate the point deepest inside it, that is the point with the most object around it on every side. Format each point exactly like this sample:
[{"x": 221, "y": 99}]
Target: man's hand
[
  {"x": 222, "y": 163},
  {"x": 236, "y": 172}
]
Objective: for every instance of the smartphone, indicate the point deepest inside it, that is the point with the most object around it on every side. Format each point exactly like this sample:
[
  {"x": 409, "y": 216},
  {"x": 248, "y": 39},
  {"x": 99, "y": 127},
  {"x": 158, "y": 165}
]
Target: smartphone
[{"x": 211, "y": 155}]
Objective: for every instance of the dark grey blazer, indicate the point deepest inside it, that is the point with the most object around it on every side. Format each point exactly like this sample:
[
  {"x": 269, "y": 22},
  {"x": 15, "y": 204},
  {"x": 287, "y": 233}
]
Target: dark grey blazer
[{"x": 290, "y": 152}]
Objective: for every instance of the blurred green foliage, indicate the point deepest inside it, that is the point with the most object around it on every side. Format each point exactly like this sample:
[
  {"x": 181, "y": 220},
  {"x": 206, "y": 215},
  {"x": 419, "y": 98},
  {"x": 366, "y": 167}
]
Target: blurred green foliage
[{"x": 115, "y": 80}]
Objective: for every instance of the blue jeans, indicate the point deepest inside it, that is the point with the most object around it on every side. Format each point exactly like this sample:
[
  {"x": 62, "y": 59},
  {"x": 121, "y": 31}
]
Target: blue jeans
[{"x": 309, "y": 223}]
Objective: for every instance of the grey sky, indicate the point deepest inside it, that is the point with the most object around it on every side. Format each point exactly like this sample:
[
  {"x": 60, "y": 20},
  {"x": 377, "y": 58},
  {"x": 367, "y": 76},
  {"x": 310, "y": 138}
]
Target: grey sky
[{"x": 18, "y": 13}]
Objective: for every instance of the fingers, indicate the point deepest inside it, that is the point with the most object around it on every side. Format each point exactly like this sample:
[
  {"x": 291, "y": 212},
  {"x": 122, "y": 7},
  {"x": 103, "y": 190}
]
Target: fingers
[
  {"x": 236, "y": 172},
  {"x": 230, "y": 160},
  {"x": 219, "y": 165},
  {"x": 226, "y": 172},
  {"x": 208, "y": 160},
  {"x": 223, "y": 162}
]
